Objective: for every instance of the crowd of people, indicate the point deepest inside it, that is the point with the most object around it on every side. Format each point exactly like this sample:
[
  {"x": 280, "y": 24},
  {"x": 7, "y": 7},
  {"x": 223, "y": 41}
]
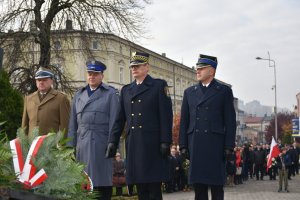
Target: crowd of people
[
  {"x": 246, "y": 162},
  {"x": 250, "y": 161}
]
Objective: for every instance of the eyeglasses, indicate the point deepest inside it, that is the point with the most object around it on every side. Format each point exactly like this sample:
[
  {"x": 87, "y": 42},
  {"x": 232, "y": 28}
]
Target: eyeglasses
[{"x": 134, "y": 66}]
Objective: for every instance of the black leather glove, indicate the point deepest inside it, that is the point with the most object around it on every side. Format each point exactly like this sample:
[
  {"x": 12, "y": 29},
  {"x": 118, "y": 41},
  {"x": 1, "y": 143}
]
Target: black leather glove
[
  {"x": 165, "y": 150},
  {"x": 227, "y": 154},
  {"x": 185, "y": 153},
  {"x": 111, "y": 150}
]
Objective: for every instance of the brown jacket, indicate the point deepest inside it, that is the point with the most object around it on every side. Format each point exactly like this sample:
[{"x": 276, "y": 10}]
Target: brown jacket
[{"x": 52, "y": 113}]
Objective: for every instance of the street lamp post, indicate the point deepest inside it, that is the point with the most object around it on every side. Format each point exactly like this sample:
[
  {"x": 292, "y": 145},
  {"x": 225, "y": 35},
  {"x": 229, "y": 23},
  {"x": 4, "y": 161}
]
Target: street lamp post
[{"x": 275, "y": 89}]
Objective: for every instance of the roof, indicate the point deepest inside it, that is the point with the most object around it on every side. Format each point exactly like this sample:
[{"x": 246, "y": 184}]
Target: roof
[{"x": 253, "y": 120}]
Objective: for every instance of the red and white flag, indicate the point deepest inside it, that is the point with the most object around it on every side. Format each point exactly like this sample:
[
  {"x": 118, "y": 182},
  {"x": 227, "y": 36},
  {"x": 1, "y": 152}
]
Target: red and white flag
[{"x": 274, "y": 152}]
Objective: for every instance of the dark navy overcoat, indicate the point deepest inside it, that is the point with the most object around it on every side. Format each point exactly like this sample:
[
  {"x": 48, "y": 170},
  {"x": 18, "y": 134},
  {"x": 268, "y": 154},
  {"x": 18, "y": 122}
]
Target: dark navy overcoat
[
  {"x": 147, "y": 111},
  {"x": 207, "y": 127}
]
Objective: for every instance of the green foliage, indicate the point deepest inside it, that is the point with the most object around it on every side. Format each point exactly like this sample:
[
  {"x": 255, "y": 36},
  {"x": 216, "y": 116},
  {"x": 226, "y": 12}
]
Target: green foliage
[
  {"x": 7, "y": 174},
  {"x": 11, "y": 106},
  {"x": 65, "y": 175},
  {"x": 287, "y": 138}
]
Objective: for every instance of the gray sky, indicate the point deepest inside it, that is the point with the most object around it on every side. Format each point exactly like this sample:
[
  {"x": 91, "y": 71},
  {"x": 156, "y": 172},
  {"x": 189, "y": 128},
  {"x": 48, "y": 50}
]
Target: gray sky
[{"x": 235, "y": 31}]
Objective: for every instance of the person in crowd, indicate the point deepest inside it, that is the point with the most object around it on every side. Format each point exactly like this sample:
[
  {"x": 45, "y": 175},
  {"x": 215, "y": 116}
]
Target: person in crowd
[
  {"x": 118, "y": 174},
  {"x": 251, "y": 161},
  {"x": 239, "y": 164},
  {"x": 296, "y": 160},
  {"x": 272, "y": 171},
  {"x": 207, "y": 130},
  {"x": 94, "y": 108},
  {"x": 47, "y": 109},
  {"x": 231, "y": 168},
  {"x": 282, "y": 160},
  {"x": 291, "y": 154},
  {"x": 146, "y": 107},
  {"x": 259, "y": 161},
  {"x": 173, "y": 170},
  {"x": 246, "y": 158}
]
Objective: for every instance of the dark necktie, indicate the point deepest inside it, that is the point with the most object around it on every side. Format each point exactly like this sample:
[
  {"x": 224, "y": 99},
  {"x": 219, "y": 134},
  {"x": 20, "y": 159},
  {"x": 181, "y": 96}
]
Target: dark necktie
[{"x": 204, "y": 88}]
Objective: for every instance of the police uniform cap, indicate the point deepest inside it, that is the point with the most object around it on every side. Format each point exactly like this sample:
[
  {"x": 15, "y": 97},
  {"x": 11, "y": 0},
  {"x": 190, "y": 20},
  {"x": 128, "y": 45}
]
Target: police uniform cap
[
  {"x": 139, "y": 58},
  {"x": 95, "y": 66},
  {"x": 43, "y": 73},
  {"x": 205, "y": 60}
]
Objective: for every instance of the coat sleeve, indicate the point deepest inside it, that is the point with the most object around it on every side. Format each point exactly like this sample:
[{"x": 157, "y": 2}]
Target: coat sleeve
[
  {"x": 64, "y": 115},
  {"x": 114, "y": 107},
  {"x": 230, "y": 120},
  {"x": 184, "y": 122},
  {"x": 25, "y": 118},
  {"x": 73, "y": 126},
  {"x": 118, "y": 122},
  {"x": 165, "y": 114}
]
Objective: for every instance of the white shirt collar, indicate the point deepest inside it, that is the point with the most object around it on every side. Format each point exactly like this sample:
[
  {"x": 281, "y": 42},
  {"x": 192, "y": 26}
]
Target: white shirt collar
[{"x": 205, "y": 85}]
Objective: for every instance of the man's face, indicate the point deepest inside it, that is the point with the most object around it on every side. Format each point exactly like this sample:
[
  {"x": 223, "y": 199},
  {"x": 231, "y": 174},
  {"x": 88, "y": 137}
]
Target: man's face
[
  {"x": 139, "y": 71},
  {"x": 44, "y": 84},
  {"x": 94, "y": 79},
  {"x": 173, "y": 152},
  {"x": 205, "y": 74}
]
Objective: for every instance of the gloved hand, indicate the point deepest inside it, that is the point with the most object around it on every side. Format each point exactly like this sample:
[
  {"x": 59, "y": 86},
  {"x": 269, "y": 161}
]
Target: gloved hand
[
  {"x": 111, "y": 150},
  {"x": 185, "y": 153},
  {"x": 227, "y": 154},
  {"x": 165, "y": 150}
]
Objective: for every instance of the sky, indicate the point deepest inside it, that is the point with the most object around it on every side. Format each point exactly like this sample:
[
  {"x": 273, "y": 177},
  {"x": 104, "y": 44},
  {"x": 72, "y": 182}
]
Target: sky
[{"x": 235, "y": 31}]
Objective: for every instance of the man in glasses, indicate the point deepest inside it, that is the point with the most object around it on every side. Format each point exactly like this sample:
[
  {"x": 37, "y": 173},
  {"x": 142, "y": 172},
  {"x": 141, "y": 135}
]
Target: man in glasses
[{"x": 146, "y": 107}]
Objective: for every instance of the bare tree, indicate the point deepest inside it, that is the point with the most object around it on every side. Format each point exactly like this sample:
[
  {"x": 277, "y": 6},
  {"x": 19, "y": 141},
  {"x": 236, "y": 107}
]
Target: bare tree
[{"x": 36, "y": 19}]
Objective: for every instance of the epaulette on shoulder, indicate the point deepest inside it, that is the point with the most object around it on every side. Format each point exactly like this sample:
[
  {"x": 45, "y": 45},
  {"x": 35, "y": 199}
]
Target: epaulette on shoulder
[
  {"x": 115, "y": 89},
  {"x": 112, "y": 87},
  {"x": 61, "y": 92},
  {"x": 159, "y": 79},
  {"x": 126, "y": 85}
]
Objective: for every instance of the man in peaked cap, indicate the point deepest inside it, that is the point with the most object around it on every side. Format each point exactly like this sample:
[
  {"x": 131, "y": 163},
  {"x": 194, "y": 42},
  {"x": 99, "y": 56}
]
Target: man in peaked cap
[
  {"x": 46, "y": 108},
  {"x": 146, "y": 107},
  {"x": 93, "y": 110},
  {"x": 207, "y": 130}
]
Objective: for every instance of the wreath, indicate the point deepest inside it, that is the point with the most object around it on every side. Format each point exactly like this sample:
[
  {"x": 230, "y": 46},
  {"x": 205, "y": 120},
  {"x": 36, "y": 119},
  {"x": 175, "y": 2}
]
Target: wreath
[{"x": 43, "y": 165}]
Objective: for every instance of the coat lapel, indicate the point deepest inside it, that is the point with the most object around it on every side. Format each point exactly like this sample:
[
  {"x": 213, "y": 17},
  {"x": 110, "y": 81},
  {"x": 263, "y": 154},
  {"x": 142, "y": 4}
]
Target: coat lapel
[
  {"x": 211, "y": 91},
  {"x": 135, "y": 90},
  {"x": 52, "y": 93},
  {"x": 97, "y": 94}
]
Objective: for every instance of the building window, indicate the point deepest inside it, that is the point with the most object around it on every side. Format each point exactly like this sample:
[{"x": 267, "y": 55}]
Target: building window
[
  {"x": 121, "y": 74},
  {"x": 95, "y": 45},
  {"x": 57, "y": 45},
  {"x": 121, "y": 71}
]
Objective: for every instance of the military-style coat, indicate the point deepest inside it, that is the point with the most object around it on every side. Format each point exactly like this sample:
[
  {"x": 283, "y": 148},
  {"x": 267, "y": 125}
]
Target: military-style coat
[
  {"x": 52, "y": 113},
  {"x": 90, "y": 122},
  {"x": 207, "y": 127},
  {"x": 147, "y": 110}
]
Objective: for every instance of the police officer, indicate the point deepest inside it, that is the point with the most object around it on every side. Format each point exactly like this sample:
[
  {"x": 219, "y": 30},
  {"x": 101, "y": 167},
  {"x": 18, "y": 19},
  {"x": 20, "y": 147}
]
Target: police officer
[
  {"x": 207, "y": 130},
  {"x": 147, "y": 108},
  {"x": 46, "y": 108},
  {"x": 93, "y": 110}
]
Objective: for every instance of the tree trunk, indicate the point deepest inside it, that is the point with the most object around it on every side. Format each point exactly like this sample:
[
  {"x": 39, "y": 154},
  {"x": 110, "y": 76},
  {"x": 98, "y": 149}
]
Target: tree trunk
[{"x": 45, "y": 47}]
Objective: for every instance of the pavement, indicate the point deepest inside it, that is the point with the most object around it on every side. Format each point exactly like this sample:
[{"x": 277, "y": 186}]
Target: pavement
[{"x": 251, "y": 189}]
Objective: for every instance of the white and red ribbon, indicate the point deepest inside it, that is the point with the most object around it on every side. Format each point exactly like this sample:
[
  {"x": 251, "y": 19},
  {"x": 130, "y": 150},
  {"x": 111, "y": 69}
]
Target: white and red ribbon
[
  {"x": 89, "y": 186},
  {"x": 26, "y": 172}
]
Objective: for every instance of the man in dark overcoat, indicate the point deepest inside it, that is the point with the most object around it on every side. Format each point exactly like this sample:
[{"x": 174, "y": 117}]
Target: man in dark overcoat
[
  {"x": 207, "y": 130},
  {"x": 93, "y": 110},
  {"x": 146, "y": 107}
]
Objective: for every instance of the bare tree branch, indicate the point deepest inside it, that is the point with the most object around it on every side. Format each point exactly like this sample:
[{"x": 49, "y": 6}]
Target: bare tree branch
[{"x": 35, "y": 21}]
